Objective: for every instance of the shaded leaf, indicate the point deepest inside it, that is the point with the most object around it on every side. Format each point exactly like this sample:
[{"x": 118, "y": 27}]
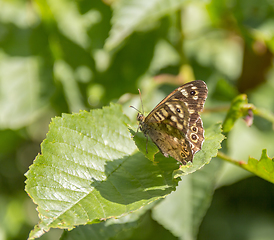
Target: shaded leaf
[
  {"x": 149, "y": 149},
  {"x": 182, "y": 211},
  {"x": 89, "y": 170}
]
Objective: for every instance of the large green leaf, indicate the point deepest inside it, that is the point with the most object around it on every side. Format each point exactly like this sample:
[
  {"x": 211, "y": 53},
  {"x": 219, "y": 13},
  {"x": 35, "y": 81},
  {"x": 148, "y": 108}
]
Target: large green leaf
[{"x": 90, "y": 170}]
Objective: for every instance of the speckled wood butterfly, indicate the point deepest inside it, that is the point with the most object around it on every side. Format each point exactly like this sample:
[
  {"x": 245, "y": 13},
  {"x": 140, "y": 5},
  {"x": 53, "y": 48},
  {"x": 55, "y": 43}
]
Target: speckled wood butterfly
[{"x": 175, "y": 125}]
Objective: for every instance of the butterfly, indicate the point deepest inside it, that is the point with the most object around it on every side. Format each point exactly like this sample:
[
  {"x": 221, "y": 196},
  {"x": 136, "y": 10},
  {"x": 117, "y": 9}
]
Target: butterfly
[{"x": 175, "y": 125}]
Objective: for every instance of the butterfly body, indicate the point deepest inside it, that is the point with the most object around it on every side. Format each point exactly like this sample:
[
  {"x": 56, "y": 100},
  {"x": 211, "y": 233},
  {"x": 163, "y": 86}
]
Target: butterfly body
[{"x": 175, "y": 125}]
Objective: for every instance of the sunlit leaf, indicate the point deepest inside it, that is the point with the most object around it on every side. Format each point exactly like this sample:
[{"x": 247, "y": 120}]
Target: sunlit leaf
[
  {"x": 264, "y": 167},
  {"x": 90, "y": 170}
]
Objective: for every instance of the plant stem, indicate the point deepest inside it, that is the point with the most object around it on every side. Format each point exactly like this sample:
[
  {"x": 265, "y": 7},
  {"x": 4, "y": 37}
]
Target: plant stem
[{"x": 241, "y": 163}]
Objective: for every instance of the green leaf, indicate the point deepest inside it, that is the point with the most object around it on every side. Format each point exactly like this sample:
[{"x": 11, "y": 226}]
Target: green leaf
[
  {"x": 90, "y": 170},
  {"x": 129, "y": 15},
  {"x": 149, "y": 149},
  {"x": 182, "y": 211},
  {"x": 263, "y": 168},
  {"x": 239, "y": 108}
]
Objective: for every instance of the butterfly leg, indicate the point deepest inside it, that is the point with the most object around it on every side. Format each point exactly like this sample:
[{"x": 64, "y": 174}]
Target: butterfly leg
[{"x": 136, "y": 131}]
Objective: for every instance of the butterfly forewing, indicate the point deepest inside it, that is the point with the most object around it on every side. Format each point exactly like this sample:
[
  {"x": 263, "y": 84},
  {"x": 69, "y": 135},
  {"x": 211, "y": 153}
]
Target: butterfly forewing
[
  {"x": 174, "y": 125},
  {"x": 171, "y": 112}
]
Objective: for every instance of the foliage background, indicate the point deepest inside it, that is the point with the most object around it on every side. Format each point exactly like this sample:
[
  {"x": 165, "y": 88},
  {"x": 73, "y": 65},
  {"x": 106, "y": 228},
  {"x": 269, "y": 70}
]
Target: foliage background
[{"x": 65, "y": 56}]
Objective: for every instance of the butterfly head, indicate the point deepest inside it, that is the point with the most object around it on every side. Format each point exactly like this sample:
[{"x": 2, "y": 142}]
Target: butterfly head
[
  {"x": 140, "y": 117},
  {"x": 141, "y": 120}
]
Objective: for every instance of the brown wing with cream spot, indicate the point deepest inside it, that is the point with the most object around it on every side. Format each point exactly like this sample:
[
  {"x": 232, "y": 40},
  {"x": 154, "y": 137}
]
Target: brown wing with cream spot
[
  {"x": 195, "y": 136},
  {"x": 173, "y": 113},
  {"x": 194, "y": 96}
]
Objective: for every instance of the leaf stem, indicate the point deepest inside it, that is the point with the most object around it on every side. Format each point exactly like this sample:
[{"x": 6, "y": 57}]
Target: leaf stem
[{"x": 240, "y": 163}]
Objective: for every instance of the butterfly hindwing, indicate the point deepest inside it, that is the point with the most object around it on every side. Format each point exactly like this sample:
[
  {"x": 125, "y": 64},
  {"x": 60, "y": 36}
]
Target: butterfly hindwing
[
  {"x": 171, "y": 142},
  {"x": 195, "y": 135}
]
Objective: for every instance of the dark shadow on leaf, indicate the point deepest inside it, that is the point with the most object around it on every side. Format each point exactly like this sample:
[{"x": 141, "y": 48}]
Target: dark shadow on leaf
[{"x": 135, "y": 178}]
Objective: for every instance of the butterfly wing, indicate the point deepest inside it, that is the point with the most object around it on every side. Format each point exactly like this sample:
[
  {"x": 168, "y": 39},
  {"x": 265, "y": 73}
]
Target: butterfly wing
[
  {"x": 175, "y": 125},
  {"x": 193, "y": 94},
  {"x": 183, "y": 93},
  {"x": 172, "y": 112},
  {"x": 171, "y": 141}
]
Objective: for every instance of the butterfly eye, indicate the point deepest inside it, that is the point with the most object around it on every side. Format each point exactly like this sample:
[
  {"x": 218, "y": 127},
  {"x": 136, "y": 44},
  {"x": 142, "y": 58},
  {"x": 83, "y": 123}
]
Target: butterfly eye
[
  {"x": 178, "y": 110},
  {"x": 192, "y": 93}
]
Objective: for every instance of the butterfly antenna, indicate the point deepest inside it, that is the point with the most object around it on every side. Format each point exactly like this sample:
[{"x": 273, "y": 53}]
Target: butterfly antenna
[
  {"x": 141, "y": 104},
  {"x": 135, "y": 109},
  {"x": 141, "y": 100}
]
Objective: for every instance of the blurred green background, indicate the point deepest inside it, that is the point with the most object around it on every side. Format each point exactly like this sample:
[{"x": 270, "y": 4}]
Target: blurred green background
[{"x": 64, "y": 56}]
